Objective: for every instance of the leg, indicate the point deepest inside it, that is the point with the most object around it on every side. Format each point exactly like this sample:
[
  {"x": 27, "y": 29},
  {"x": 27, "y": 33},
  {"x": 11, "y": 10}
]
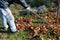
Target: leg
[
  {"x": 4, "y": 21},
  {"x": 10, "y": 20}
]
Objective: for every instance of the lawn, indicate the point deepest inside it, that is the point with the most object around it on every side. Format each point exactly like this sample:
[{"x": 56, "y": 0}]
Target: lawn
[{"x": 48, "y": 31}]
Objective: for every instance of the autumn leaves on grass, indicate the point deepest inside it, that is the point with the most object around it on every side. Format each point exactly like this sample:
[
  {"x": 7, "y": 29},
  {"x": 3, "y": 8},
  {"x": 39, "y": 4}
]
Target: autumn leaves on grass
[
  {"x": 50, "y": 27},
  {"x": 23, "y": 23}
]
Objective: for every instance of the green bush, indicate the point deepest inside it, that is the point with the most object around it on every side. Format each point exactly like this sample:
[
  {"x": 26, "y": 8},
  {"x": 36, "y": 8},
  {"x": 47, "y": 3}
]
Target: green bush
[{"x": 37, "y": 3}]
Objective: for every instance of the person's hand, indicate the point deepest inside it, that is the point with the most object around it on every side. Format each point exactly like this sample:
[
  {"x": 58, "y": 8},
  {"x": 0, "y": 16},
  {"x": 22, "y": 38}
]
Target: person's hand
[{"x": 31, "y": 10}]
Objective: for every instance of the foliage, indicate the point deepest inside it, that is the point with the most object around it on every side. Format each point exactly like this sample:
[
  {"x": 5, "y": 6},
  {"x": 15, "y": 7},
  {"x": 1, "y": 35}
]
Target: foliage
[{"x": 37, "y": 3}]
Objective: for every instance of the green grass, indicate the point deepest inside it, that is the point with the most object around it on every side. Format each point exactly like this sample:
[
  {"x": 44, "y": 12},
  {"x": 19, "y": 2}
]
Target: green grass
[
  {"x": 23, "y": 35},
  {"x": 0, "y": 23}
]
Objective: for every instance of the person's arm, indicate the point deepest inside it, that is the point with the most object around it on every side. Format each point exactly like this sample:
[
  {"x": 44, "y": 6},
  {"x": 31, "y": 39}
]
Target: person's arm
[
  {"x": 22, "y": 2},
  {"x": 25, "y": 5}
]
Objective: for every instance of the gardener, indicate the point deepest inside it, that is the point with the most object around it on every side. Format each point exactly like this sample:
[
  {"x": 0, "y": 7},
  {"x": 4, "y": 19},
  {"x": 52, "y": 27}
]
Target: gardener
[{"x": 6, "y": 15}]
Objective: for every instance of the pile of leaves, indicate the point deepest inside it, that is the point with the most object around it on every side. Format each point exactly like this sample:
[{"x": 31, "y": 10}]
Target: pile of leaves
[
  {"x": 50, "y": 29},
  {"x": 23, "y": 23}
]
